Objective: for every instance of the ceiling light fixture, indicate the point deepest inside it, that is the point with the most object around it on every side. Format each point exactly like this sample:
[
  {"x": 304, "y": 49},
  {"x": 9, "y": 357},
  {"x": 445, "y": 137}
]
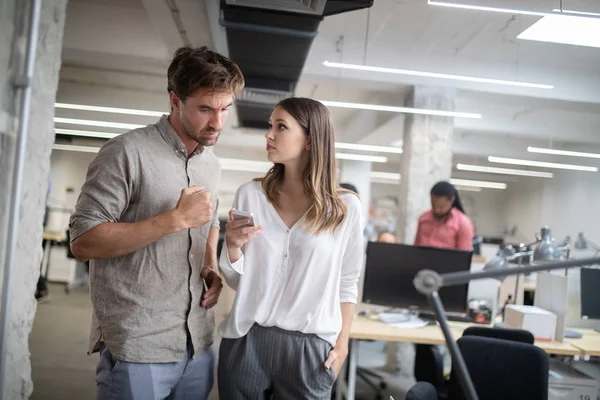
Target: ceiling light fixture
[
  {"x": 468, "y": 188},
  {"x": 571, "y": 30},
  {"x": 113, "y": 110},
  {"x": 483, "y": 8},
  {"x": 479, "y": 184},
  {"x": 435, "y": 75},
  {"x": 360, "y": 157},
  {"x": 503, "y": 171},
  {"x": 70, "y": 147},
  {"x": 405, "y": 110},
  {"x": 103, "y": 124},
  {"x": 542, "y": 164},
  {"x": 562, "y": 152},
  {"x": 92, "y": 134},
  {"x": 368, "y": 147},
  {"x": 392, "y": 176}
]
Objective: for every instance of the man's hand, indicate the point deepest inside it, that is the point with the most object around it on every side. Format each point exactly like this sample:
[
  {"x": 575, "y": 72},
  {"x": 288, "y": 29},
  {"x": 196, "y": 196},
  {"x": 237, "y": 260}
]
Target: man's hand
[
  {"x": 336, "y": 357},
  {"x": 215, "y": 284},
  {"x": 194, "y": 208}
]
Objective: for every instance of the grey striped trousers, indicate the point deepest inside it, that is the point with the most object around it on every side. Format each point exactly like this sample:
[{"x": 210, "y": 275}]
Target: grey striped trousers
[{"x": 272, "y": 363}]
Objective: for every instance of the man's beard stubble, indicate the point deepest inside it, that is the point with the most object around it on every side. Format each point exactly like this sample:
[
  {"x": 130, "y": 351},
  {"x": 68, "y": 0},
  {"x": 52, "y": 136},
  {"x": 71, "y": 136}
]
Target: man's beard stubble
[{"x": 197, "y": 137}]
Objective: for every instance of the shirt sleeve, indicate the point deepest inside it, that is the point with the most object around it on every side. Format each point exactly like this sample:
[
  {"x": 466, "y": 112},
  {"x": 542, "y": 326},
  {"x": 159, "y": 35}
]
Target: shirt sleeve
[
  {"x": 231, "y": 271},
  {"x": 215, "y": 218},
  {"x": 464, "y": 237},
  {"x": 418, "y": 238},
  {"x": 352, "y": 262},
  {"x": 106, "y": 193}
]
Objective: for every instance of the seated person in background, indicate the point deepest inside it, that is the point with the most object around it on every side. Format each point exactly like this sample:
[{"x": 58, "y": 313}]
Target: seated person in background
[
  {"x": 446, "y": 224},
  {"x": 387, "y": 237}
]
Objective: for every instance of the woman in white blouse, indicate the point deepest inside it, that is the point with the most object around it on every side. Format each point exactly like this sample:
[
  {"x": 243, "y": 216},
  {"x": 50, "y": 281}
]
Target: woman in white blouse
[{"x": 296, "y": 271}]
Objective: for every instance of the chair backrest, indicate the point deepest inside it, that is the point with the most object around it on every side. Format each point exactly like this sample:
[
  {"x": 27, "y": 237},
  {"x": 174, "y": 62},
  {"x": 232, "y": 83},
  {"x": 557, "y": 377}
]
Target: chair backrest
[
  {"x": 422, "y": 391},
  {"x": 517, "y": 335},
  {"x": 502, "y": 369}
]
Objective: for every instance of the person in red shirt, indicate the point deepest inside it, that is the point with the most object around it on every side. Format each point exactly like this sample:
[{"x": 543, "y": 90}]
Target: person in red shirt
[{"x": 446, "y": 224}]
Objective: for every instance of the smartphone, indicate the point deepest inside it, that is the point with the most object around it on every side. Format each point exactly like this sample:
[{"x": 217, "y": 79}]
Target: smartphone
[{"x": 239, "y": 214}]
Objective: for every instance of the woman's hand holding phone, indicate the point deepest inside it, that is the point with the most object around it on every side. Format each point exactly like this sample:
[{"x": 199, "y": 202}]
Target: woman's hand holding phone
[{"x": 237, "y": 233}]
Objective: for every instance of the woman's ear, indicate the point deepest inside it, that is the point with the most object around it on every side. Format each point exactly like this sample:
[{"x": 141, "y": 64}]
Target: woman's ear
[{"x": 307, "y": 145}]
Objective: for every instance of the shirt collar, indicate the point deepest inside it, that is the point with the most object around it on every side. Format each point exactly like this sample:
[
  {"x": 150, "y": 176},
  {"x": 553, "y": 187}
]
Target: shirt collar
[{"x": 172, "y": 138}]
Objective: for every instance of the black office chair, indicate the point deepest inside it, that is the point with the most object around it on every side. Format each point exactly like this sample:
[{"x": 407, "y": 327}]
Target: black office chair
[
  {"x": 500, "y": 369},
  {"x": 516, "y": 335}
]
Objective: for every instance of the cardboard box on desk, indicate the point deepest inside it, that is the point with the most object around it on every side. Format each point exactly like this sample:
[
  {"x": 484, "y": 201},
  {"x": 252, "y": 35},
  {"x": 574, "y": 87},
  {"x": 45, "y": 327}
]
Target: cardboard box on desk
[{"x": 541, "y": 323}]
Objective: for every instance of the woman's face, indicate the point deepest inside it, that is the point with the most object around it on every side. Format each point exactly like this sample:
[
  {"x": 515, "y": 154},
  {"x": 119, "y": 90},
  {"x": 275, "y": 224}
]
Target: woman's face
[
  {"x": 441, "y": 206},
  {"x": 286, "y": 140}
]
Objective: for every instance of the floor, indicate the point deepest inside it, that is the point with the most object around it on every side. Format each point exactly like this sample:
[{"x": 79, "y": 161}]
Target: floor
[{"x": 62, "y": 370}]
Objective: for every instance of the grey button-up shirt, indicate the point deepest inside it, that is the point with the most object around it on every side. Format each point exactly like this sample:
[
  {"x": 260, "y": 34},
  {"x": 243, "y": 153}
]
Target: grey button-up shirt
[{"x": 146, "y": 303}]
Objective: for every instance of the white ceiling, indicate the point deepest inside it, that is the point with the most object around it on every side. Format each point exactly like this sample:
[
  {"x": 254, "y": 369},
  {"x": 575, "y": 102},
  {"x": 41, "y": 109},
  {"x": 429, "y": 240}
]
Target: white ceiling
[{"x": 116, "y": 53}]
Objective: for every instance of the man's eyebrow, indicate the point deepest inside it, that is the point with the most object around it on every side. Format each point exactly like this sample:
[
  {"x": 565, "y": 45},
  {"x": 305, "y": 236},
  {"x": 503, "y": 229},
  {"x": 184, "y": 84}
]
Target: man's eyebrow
[{"x": 211, "y": 108}]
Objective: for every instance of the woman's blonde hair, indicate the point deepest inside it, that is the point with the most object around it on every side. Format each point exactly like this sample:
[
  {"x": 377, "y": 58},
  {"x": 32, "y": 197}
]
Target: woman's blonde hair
[{"x": 326, "y": 209}]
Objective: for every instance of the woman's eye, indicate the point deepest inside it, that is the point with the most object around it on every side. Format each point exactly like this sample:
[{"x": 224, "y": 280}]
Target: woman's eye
[{"x": 281, "y": 127}]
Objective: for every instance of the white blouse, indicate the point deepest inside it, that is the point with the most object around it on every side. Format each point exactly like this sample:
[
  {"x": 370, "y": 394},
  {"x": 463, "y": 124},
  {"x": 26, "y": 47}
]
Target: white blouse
[{"x": 291, "y": 278}]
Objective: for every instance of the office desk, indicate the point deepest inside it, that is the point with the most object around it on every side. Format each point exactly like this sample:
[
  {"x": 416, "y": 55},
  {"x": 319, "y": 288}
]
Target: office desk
[
  {"x": 49, "y": 237},
  {"x": 364, "y": 328},
  {"x": 589, "y": 344}
]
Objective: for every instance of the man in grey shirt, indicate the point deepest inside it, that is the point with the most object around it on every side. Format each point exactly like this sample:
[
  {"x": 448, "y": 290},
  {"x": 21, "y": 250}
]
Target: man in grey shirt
[{"x": 147, "y": 221}]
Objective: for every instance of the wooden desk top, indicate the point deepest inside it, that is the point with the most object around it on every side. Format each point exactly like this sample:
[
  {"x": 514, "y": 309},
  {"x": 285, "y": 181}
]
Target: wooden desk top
[
  {"x": 589, "y": 344},
  {"x": 370, "y": 329},
  {"x": 529, "y": 286},
  {"x": 59, "y": 237}
]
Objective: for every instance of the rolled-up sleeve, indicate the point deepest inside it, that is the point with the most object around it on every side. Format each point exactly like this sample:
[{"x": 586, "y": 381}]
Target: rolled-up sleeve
[
  {"x": 353, "y": 255},
  {"x": 107, "y": 190}
]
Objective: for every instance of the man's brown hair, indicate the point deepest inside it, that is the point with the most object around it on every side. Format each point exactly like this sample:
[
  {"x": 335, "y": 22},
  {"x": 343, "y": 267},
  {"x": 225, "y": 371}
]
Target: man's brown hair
[{"x": 201, "y": 68}]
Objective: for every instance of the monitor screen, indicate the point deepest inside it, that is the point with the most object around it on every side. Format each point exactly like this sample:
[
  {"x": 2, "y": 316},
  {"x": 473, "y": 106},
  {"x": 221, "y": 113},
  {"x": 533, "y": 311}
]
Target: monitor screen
[
  {"x": 391, "y": 268},
  {"x": 590, "y": 295}
]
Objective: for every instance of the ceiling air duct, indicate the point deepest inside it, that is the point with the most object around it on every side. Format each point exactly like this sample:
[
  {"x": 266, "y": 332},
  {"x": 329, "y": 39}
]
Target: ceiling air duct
[{"x": 270, "y": 41}]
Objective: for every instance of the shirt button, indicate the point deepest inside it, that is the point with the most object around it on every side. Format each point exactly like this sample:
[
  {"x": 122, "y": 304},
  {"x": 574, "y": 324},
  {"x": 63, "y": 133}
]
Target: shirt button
[{"x": 191, "y": 256}]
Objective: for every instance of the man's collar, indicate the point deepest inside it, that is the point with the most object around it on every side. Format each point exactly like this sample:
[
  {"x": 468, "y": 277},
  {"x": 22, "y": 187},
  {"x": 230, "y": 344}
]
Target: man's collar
[{"x": 172, "y": 138}]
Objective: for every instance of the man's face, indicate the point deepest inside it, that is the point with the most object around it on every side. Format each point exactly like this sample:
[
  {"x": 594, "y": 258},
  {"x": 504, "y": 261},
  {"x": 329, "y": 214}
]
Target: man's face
[
  {"x": 441, "y": 206},
  {"x": 203, "y": 115}
]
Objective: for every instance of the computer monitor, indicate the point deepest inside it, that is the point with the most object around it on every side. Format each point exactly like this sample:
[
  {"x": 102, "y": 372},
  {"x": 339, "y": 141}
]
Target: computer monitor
[
  {"x": 391, "y": 268},
  {"x": 590, "y": 295}
]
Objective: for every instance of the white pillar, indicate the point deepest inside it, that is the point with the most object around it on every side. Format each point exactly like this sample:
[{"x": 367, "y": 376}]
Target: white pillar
[
  {"x": 358, "y": 173},
  {"x": 14, "y": 20},
  {"x": 427, "y": 156}
]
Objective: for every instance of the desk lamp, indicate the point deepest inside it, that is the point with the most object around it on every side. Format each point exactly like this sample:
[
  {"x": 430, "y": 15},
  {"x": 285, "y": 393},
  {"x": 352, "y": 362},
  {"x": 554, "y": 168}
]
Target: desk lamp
[
  {"x": 583, "y": 244},
  {"x": 429, "y": 282}
]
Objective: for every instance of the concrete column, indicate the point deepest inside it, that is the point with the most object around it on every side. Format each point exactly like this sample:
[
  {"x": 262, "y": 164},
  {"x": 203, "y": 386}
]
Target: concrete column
[
  {"x": 14, "y": 20},
  {"x": 358, "y": 173},
  {"x": 427, "y": 156}
]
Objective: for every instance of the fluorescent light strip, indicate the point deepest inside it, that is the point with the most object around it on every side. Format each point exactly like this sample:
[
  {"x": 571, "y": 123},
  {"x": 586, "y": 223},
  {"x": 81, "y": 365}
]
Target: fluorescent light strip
[
  {"x": 479, "y": 184},
  {"x": 405, "y": 110},
  {"x": 590, "y": 14},
  {"x": 468, "y": 188},
  {"x": 392, "y": 176},
  {"x": 368, "y": 147},
  {"x": 504, "y": 171},
  {"x": 492, "y": 9},
  {"x": 436, "y": 75},
  {"x": 93, "y": 134},
  {"x": 562, "y": 152},
  {"x": 542, "y": 164},
  {"x": 361, "y": 157},
  {"x": 113, "y": 110},
  {"x": 104, "y": 124},
  {"x": 70, "y": 147}
]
